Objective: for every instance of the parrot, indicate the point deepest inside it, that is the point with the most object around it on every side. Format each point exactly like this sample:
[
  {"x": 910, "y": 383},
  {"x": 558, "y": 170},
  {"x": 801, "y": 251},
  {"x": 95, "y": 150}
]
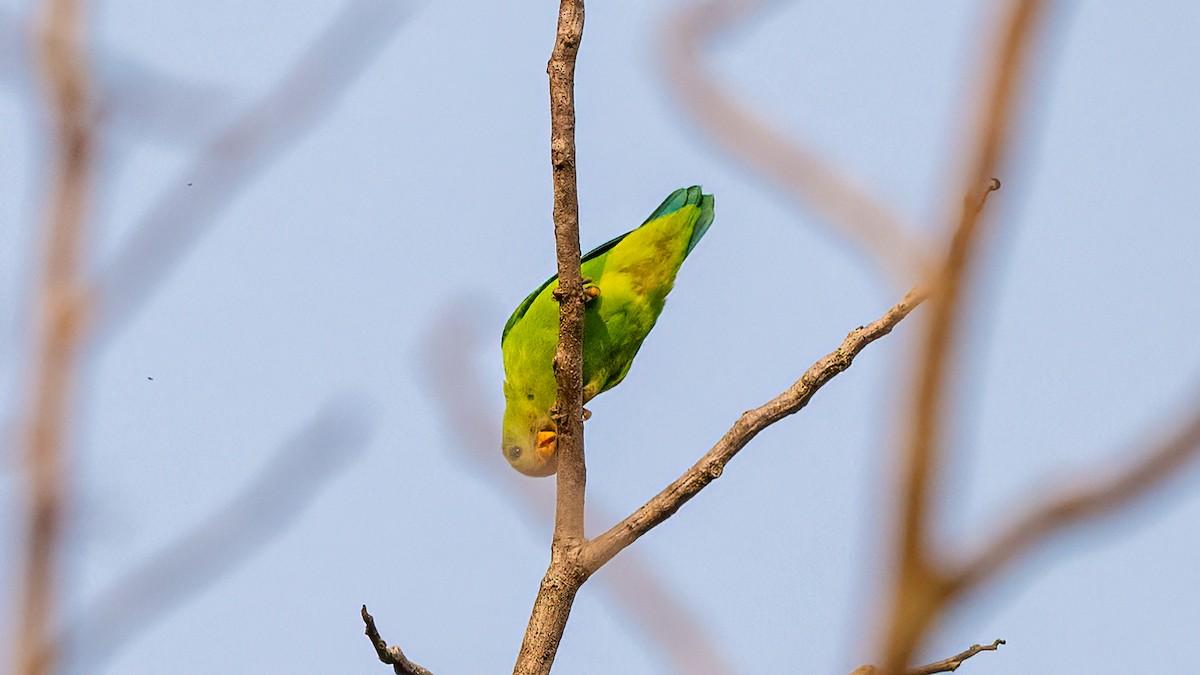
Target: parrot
[{"x": 626, "y": 282}]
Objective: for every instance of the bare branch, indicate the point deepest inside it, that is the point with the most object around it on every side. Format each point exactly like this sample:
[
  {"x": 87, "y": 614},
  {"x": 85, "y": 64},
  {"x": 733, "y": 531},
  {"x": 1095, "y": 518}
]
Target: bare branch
[
  {"x": 60, "y": 326},
  {"x": 947, "y": 665},
  {"x": 808, "y": 178},
  {"x": 392, "y": 656},
  {"x": 951, "y": 664},
  {"x": 712, "y": 464},
  {"x": 919, "y": 590},
  {"x": 228, "y": 164},
  {"x": 263, "y": 509},
  {"x": 1091, "y": 499}
]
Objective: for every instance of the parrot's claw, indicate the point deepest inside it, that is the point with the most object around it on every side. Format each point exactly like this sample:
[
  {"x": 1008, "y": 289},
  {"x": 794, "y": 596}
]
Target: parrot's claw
[
  {"x": 587, "y": 414},
  {"x": 590, "y": 292}
]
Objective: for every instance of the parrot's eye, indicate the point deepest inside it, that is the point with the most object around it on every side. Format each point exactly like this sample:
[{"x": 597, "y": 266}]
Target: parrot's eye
[{"x": 514, "y": 453}]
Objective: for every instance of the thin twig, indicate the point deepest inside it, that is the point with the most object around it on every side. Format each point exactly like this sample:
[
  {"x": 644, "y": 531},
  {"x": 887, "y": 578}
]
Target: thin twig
[
  {"x": 286, "y": 484},
  {"x": 61, "y": 317},
  {"x": 552, "y": 606},
  {"x": 807, "y": 177},
  {"x": 919, "y": 590},
  {"x": 712, "y": 464},
  {"x": 951, "y": 664},
  {"x": 947, "y": 665},
  {"x": 392, "y": 655},
  {"x": 227, "y": 165}
]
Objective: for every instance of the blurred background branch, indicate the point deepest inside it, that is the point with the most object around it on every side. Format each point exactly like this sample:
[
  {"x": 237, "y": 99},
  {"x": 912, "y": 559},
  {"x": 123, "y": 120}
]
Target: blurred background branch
[
  {"x": 226, "y": 166},
  {"x": 59, "y": 324},
  {"x": 1085, "y": 498},
  {"x": 856, "y": 213},
  {"x": 263, "y": 509},
  {"x": 924, "y": 589},
  {"x": 218, "y": 173},
  {"x": 127, "y": 94},
  {"x": 918, "y": 595}
]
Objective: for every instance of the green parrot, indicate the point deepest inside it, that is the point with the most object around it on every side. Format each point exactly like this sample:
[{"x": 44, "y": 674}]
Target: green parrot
[{"x": 627, "y": 281}]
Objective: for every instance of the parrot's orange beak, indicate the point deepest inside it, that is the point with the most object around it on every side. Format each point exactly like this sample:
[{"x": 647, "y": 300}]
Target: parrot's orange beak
[{"x": 547, "y": 443}]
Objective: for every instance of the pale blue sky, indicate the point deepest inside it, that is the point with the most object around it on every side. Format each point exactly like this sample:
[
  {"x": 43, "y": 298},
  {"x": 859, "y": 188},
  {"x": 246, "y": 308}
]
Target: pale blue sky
[{"x": 426, "y": 190}]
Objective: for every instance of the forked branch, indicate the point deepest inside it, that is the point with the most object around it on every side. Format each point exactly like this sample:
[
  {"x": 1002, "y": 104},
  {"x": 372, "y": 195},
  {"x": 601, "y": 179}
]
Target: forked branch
[{"x": 650, "y": 607}]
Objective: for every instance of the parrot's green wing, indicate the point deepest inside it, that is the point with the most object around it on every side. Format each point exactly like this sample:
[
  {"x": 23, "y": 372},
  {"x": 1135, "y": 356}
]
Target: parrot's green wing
[
  {"x": 675, "y": 201},
  {"x": 524, "y": 306}
]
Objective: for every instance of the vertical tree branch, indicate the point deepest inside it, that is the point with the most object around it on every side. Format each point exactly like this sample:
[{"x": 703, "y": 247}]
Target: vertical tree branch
[
  {"x": 920, "y": 588},
  {"x": 565, "y": 574},
  {"x": 568, "y": 360},
  {"x": 61, "y": 315}
]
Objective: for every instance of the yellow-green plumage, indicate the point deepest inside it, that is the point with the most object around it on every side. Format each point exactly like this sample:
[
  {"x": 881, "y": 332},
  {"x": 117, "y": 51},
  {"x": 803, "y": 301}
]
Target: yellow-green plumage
[{"x": 633, "y": 273}]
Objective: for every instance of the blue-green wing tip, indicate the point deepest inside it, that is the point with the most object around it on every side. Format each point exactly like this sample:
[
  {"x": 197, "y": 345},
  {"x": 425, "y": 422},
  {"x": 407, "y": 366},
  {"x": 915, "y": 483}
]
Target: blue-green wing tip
[{"x": 707, "y": 213}]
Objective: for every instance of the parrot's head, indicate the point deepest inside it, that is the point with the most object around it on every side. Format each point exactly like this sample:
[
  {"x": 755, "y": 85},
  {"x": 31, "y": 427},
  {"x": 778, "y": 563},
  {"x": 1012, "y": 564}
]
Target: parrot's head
[{"x": 530, "y": 440}]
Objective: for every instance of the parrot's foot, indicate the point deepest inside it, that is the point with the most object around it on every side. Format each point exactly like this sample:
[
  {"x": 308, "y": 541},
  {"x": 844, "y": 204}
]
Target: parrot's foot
[
  {"x": 590, "y": 291},
  {"x": 587, "y": 414}
]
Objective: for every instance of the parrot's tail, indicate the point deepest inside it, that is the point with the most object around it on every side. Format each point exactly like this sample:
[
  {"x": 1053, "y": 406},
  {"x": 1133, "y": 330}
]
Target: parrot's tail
[{"x": 682, "y": 198}]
